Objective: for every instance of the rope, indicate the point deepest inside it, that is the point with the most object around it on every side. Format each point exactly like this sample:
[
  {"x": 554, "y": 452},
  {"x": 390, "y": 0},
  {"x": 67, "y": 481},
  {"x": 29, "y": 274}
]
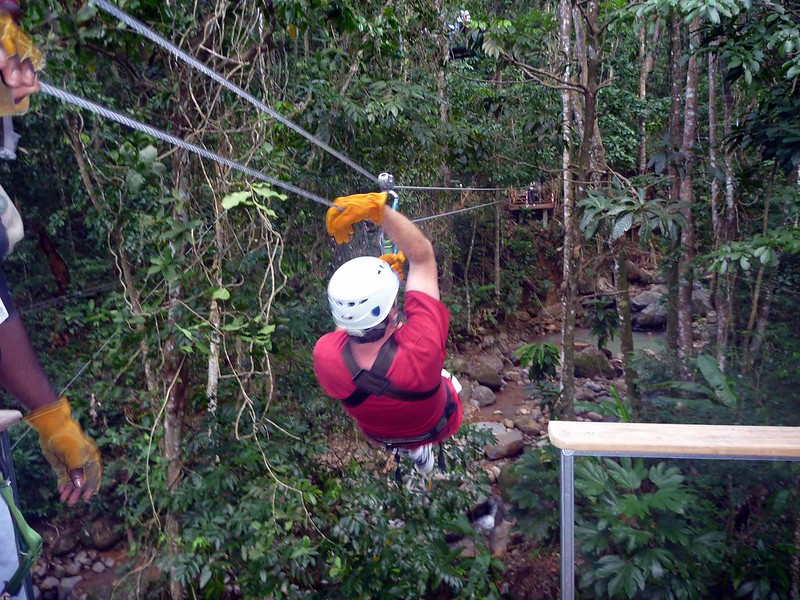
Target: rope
[
  {"x": 68, "y": 98},
  {"x": 180, "y": 54},
  {"x": 453, "y": 212}
]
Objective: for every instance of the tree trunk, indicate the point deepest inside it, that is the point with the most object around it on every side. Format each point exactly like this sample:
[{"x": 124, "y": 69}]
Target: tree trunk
[
  {"x": 443, "y": 58},
  {"x": 723, "y": 300},
  {"x": 675, "y": 133},
  {"x": 646, "y": 61},
  {"x": 498, "y": 209},
  {"x": 754, "y": 348},
  {"x": 625, "y": 327},
  {"x": 756, "y": 307},
  {"x": 685, "y": 275},
  {"x": 566, "y": 409}
]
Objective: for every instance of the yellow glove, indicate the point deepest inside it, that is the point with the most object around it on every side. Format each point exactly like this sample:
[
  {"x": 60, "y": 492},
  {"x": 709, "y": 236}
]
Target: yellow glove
[
  {"x": 396, "y": 261},
  {"x": 357, "y": 208},
  {"x": 67, "y": 449},
  {"x": 14, "y": 42}
]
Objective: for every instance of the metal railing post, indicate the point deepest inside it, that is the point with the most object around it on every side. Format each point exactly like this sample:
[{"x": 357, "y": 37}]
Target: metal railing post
[{"x": 567, "y": 484}]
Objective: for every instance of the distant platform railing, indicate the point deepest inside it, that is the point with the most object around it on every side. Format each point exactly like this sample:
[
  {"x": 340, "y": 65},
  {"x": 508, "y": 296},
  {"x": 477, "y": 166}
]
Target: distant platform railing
[{"x": 654, "y": 440}]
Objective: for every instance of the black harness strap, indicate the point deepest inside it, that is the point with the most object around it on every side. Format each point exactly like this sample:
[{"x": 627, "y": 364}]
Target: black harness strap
[
  {"x": 449, "y": 409},
  {"x": 373, "y": 382}
]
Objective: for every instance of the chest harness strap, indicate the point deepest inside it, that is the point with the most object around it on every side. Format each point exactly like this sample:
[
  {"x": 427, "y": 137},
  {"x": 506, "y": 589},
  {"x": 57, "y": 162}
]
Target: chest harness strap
[{"x": 373, "y": 382}]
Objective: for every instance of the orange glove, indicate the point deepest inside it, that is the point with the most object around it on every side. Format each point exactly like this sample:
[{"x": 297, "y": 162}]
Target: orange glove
[
  {"x": 357, "y": 208},
  {"x": 15, "y": 45},
  {"x": 396, "y": 261},
  {"x": 68, "y": 450}
]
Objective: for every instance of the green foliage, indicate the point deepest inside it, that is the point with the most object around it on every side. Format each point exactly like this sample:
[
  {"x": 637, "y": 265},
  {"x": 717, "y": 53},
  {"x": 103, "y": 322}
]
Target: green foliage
[
  {"x": 716, "y": 386},
  {"x": 646, "y": 533},
  {"x": 620, "y": 212},
  {"x": 617, "y": 407},
  {"x": 602, "y": 319},
  {"x": 542, "y": 360},
  {"x": 761, "y": 249},
  {"x": 535, "y": 492}
]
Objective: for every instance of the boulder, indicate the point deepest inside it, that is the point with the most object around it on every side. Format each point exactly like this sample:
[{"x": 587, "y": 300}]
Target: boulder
[
  {"x": 591, "y": 362},
  {"x": 457, "y": 364},
  {"x": 486, "y": 375},
  {"x": 701, "y": 302},
  {"x": 509, "y": 441},
  {"x": 483, "y": 395},
  {"x": 645, "y": 299},
  {"x": 529, "y": 426},
  {"x": 61, "y": 541},
  {"x": 652, "y": 317},
  {"x": 101, "y": 533}
]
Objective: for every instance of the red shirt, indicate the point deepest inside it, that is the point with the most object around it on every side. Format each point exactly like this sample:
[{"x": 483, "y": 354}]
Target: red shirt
[{"x": 417, "y": 367}]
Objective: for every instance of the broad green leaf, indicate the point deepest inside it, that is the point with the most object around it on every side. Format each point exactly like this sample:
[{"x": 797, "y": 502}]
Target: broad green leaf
[{"x": 235, "y": 199}]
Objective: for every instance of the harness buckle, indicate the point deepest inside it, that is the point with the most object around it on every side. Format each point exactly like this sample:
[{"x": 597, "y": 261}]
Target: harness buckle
[{"x": 372, "y": 383}]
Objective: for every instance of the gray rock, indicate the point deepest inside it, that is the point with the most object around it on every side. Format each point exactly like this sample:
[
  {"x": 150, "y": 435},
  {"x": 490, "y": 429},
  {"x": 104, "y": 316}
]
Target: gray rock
[
  {"x": 72, "y": 568},
  {"x": 645, "y": 299},
  {"x": 529, "y": 427},
  {"x": 66, "y": 586},
  {"x": 486, "y": 375},
  {"x": 593, "y": 416},
  {"x": 498, "y": 543},
  {"x": 57, "y": 570},
  {"x": 466, "y": 392},
  {"x": 509, "y": 441},
  {"x": 109, "y": 562},
  {"x": 83, "y": 558},
  {"x": 101, "y": 533},
  {"x": 583, "y": 394},
  {"x": 457, "y": 364},
  {"x": 483, "y": 395},
  {"x": 591, "y": 362},
  {"x": 595, "y": 387},
  {"x": 60, "y": 542},
  {"x": 48, "y": 583},
  {"x": 701, "y": 302},
  {"x": 652, "y": 317},
  {"x": 98, "y": 567},
  {"x": 508, "y": 423}
]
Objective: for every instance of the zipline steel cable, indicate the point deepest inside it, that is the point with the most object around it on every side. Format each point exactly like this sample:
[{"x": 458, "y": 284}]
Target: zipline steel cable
[
  {"x": 112, "y": 115},
  {"x": 145, "y": 31},
  {"x": 176, "y": 141}
]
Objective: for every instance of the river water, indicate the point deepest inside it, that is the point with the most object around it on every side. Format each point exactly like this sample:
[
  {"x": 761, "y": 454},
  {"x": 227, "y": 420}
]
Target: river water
[{"x": 642, "y": 340}]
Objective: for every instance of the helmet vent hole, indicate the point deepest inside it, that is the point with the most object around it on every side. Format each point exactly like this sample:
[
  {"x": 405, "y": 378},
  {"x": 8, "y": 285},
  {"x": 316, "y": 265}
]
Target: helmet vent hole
[{"x": 376, "y": 311}]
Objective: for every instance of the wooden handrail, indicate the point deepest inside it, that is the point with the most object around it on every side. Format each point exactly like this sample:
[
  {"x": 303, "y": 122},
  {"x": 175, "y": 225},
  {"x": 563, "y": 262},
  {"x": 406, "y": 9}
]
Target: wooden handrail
[
  {"x": 8, "y": 418},
  {"x": 662, "y": 438}
]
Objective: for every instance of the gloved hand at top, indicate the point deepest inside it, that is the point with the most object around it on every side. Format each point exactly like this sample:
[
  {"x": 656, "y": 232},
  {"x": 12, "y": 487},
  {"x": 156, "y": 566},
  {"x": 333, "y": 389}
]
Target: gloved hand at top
[
  {"x": 72, "y": 454},
  {"x": 19, "y": 61},
  {"x": 396, "y": 261},
  {"x": 357, "y": 208}
]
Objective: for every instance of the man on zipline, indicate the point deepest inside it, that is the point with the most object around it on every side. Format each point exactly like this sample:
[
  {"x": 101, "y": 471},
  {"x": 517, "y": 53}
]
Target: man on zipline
[{"x": 388, "y": 371}]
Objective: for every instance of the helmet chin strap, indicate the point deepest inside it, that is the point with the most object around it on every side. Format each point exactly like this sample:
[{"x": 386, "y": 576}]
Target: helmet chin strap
[{"x": 376, "y": 333}]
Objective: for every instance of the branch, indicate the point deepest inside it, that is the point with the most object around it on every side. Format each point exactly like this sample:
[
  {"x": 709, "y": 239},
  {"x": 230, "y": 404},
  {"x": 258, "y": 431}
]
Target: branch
[{"x": 537, "y": 75}]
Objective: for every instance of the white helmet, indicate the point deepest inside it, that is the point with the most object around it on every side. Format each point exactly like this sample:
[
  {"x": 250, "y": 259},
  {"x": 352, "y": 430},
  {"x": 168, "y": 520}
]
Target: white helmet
[{"x": 361, "y": 293}]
